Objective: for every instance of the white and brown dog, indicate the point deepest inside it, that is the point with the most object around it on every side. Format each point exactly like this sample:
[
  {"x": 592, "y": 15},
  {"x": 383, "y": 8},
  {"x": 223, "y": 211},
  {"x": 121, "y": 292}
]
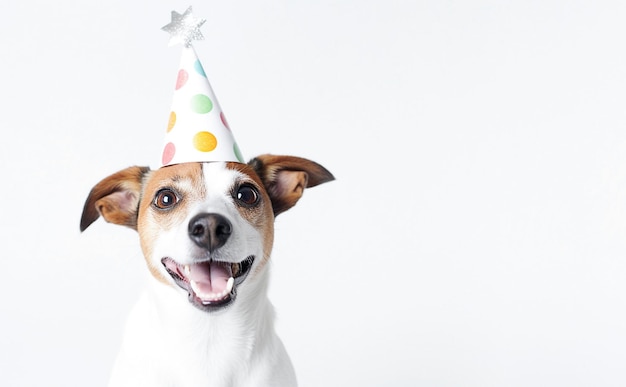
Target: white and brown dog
[{"x": 206, "y": 231}]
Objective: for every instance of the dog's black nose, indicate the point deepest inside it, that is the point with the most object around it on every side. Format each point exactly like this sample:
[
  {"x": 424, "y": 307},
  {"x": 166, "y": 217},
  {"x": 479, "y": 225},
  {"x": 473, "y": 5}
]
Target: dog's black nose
[{"x": 210, "y": 231}]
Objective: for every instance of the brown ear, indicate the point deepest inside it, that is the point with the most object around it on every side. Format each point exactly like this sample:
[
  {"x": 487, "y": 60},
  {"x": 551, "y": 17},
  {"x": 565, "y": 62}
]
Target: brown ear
[
  {"x": 116, "y": 198},
  {"x": 286, "y": 177}
]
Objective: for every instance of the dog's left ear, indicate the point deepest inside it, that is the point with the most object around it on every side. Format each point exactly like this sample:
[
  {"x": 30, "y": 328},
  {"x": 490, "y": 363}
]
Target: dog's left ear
[
  {"x": 286, "y": 177},
  {"x": 116, "y": 198}
]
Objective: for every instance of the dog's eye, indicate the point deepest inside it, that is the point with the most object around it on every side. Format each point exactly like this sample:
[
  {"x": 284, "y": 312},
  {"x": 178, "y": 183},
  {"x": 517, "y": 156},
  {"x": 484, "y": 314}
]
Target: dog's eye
[
  {"x": 247, "y": 195},
  {"x": 165, "y": 198}
]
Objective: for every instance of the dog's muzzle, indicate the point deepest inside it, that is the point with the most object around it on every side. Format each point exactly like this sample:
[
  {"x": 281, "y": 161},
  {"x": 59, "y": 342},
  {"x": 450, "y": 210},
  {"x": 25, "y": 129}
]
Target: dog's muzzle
[{"x": 211, "y": 284}]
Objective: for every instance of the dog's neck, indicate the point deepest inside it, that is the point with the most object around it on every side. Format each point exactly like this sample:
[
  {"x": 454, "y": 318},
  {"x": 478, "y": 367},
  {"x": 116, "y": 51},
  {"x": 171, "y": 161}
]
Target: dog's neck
[{"x": 220, "y": 341}]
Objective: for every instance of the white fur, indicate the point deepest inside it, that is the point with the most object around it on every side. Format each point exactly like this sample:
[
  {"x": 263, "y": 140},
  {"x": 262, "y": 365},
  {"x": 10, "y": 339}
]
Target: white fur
[{"x": 169, "y": 342}]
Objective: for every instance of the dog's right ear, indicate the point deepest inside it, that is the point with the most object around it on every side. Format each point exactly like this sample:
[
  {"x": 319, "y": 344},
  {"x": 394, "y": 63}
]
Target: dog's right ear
[{"x": 116, "y": 198}]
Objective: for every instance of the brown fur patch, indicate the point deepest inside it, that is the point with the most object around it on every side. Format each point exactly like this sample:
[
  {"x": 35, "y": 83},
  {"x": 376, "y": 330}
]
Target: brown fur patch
[
  {"x": 186, "y": 180},
  {"x": 115, "y": 198},
  {"x": 286, "y": 177}
]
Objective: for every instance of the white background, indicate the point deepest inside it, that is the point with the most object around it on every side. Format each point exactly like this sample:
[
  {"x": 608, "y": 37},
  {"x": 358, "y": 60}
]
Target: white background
[{"x": 476, "y": 232}]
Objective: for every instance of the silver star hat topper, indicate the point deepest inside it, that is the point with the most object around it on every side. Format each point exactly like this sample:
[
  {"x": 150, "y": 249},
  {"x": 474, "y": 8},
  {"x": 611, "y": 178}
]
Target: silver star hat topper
[{"x": 184, "y": 28}]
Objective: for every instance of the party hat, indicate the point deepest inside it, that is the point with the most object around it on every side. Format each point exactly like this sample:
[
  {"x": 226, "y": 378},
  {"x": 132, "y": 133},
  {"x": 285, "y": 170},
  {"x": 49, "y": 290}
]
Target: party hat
[{"x": 197, "y": 130}]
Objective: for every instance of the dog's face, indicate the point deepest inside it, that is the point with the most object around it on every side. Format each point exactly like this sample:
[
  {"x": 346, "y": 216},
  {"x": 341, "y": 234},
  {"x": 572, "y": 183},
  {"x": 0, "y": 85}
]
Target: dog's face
[{"x": 205, "y": 228}]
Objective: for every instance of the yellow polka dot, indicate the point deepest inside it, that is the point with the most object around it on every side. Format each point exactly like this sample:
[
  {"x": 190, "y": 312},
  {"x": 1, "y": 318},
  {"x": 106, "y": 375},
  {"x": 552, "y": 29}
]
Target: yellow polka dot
[
  {"x": 204, "y": 141},
  {"x": 172, "y": 122}
]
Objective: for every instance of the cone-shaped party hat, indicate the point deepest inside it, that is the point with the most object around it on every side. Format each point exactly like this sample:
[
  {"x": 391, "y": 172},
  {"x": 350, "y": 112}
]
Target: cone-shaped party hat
[{"x": 197, "y": 130}]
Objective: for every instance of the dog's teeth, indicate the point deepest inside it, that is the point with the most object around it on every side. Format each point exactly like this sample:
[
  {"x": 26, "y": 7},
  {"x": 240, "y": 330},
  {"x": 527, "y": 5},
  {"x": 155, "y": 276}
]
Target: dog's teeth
[
  {"x": 187, "y": 270},
  {"x": 209, "y": 297},
  {"x": 229, "y": 285},
  {"x": 194, "y": 286}
]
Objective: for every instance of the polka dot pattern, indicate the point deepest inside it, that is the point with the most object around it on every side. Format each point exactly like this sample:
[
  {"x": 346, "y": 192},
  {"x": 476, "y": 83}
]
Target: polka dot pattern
[{"x": 197, "y": 130}]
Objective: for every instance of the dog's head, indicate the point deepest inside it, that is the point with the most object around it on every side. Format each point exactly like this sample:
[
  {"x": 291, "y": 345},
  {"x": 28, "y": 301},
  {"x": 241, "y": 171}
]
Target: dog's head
[{"x": 204, "y": 227}]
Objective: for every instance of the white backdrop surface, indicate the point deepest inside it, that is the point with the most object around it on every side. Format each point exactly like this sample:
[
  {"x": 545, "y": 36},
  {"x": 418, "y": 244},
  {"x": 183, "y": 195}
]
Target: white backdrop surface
[{"x": 476, "y": 232}]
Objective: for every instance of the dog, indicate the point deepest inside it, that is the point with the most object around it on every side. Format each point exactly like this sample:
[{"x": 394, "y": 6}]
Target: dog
[{"x": 206, "y": 231}]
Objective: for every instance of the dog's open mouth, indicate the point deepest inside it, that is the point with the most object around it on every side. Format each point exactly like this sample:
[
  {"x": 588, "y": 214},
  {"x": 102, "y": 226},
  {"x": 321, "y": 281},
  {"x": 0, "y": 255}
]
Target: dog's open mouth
[{"x": 211, "y": 284}]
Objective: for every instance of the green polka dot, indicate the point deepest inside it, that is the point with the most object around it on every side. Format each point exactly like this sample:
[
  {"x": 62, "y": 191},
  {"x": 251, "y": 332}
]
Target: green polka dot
[
  {"x": 201, "y": 104},
  {"x": 238, "y": 153}
]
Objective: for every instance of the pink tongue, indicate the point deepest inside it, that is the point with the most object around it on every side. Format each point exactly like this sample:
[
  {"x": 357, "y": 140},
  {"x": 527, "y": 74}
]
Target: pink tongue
[{"x": 210, "y": 277}]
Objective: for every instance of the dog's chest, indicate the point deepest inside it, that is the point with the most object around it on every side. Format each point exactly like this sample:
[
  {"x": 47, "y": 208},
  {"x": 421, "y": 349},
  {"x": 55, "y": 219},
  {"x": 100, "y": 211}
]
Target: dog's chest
[{"x": 169, "y": 343}]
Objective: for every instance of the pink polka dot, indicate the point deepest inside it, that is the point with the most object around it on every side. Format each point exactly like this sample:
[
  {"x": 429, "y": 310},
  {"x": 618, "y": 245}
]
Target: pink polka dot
[
  {"x": 224, "y": 120},
  {"x": 168, "y": 153},
  {"x": 182, "y": 78}
]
